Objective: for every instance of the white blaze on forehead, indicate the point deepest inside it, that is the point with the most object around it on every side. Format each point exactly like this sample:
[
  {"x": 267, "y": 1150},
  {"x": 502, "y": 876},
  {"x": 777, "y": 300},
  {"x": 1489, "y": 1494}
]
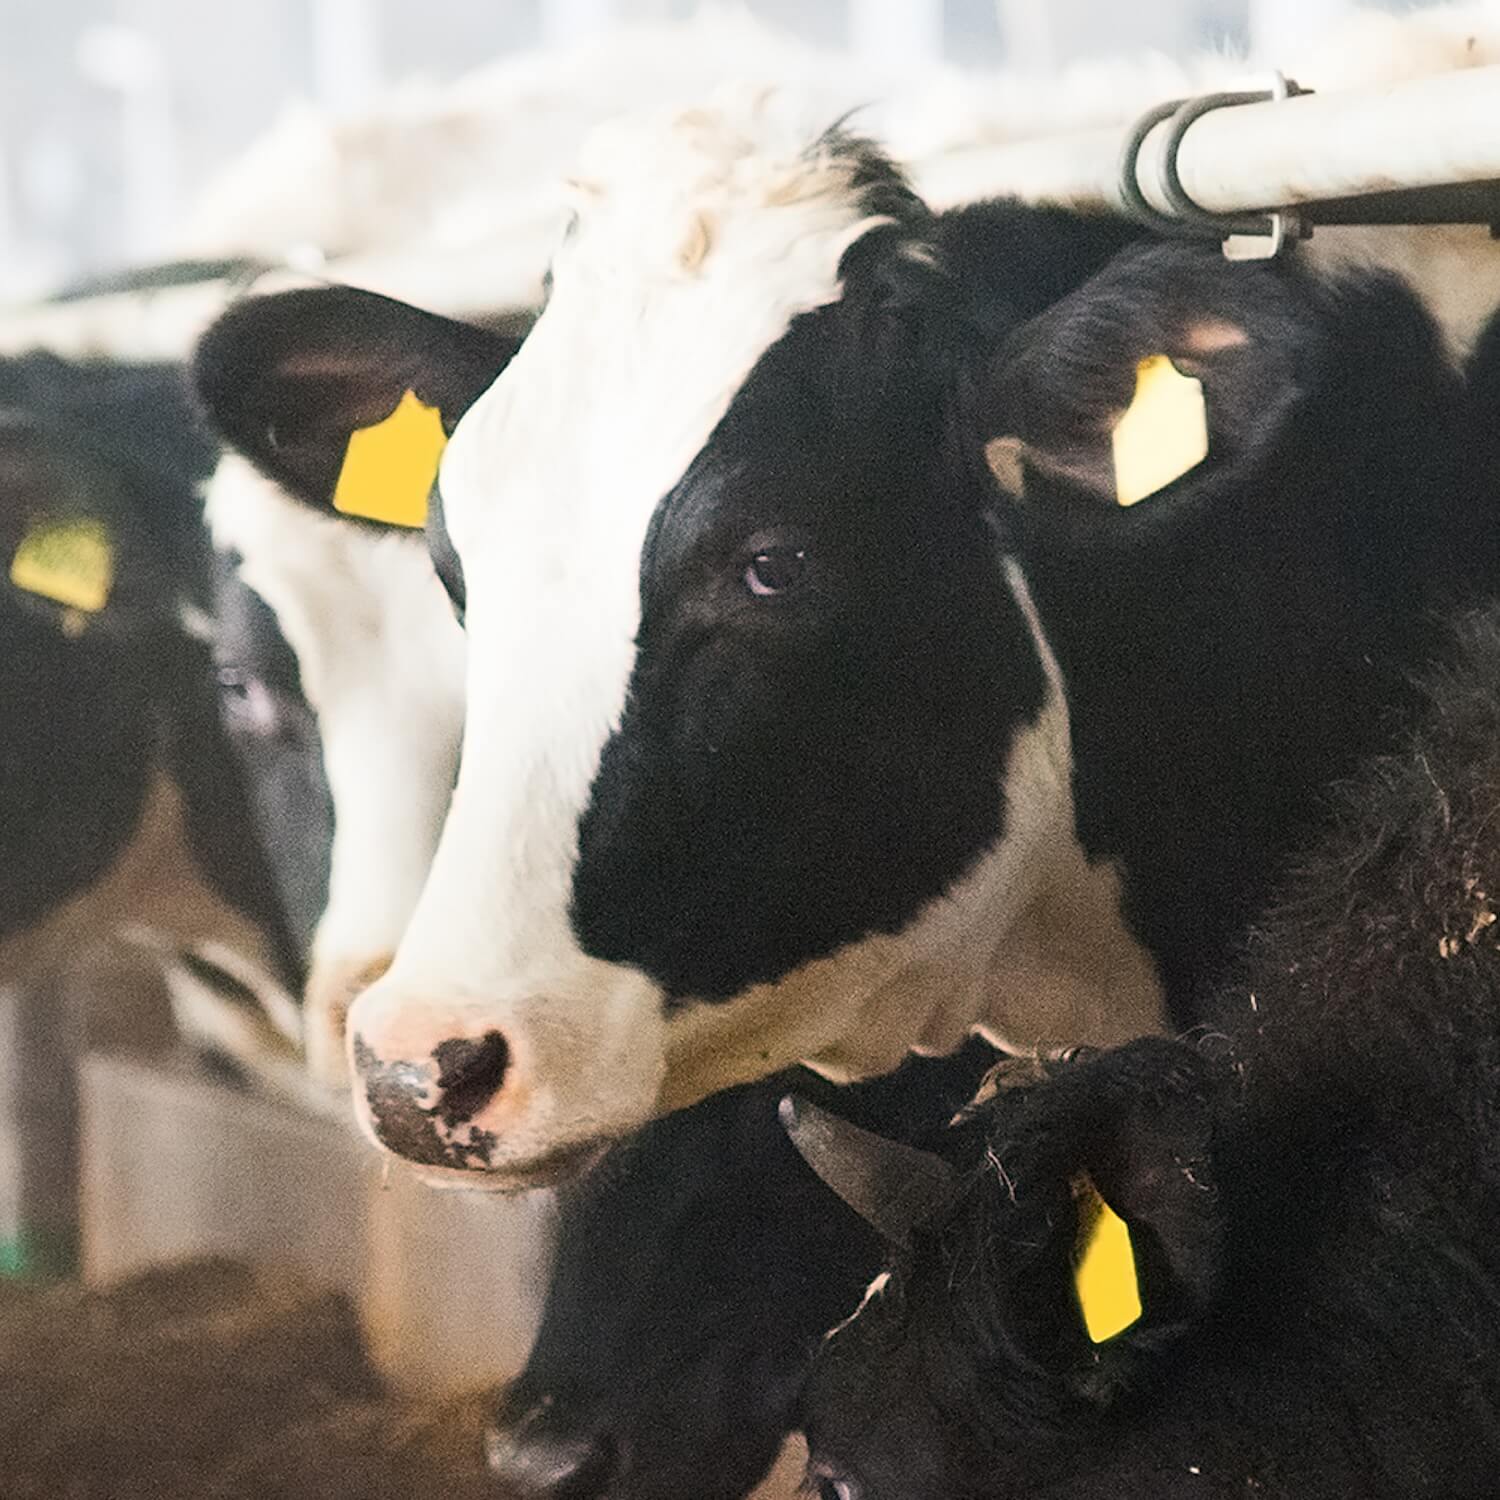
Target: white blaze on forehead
[{"x": 381, "y": 661}]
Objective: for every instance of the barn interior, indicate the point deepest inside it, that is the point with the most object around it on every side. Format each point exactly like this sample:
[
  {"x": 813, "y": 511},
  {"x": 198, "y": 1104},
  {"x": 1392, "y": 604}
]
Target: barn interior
[{"x": 211, "y": 1281}]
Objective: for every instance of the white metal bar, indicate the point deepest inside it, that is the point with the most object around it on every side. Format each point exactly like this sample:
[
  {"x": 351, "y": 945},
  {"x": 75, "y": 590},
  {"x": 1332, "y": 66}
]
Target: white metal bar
[{"x": 1423, "y": 133}]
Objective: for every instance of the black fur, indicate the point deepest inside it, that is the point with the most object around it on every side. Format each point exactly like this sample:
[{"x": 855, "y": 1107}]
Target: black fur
[
  {"x": 1313, "y": 1185},
  {"x": 93, "y": 703},
  {"x": 274, "y": 734},
  {"x": 794, "y": 772},
  {"x": 677, "y": 1384}
]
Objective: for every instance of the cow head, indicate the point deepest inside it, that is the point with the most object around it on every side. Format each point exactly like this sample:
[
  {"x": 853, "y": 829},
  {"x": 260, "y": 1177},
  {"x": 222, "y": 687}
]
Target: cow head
[
  {"x": 969, "y": 1367},
  {"x": 109, "y": 783},
  {"x": 339, "y": 658},
  {"x": 759, "y": 722},
  {"x": 678, "y": 1381}
]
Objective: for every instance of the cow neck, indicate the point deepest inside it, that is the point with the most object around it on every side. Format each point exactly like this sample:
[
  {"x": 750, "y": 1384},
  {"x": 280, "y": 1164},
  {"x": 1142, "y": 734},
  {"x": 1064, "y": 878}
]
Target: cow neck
[{"x": 1065, "y": 969}]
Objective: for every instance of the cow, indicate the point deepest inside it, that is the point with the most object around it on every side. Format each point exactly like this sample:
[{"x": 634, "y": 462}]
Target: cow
[
  {"x": 761, "y": 1264},
  {"x": 696, "y": 1269},
  {"x": 1309, "y": 1185},
  {"x": 370, "y": 682},
  {"x": 568, "y": 1425},
  {"x": 822, "y": 705},
  {"x": 118, "y": 792}
]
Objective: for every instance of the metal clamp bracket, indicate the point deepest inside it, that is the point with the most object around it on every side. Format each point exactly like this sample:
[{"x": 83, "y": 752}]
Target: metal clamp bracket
[{"x": 1243, "y": 237}]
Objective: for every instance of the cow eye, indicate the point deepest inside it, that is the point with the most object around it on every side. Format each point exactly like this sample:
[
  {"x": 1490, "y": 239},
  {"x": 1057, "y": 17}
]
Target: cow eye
[
  {"x": 251, "y": 706},
  {"x": 774, "y": 570}
]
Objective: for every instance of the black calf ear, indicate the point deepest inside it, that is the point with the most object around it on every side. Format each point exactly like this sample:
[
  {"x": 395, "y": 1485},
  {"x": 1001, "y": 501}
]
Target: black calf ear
[
  {"x": 1170, "y": 368},
  {"x": 290, "y": 380},
  {"x": 1148, "y": 1206}
]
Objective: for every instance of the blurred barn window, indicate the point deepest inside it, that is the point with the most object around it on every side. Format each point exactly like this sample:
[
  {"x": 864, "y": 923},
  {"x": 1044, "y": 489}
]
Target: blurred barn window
[{"x": 114, "y": 112}]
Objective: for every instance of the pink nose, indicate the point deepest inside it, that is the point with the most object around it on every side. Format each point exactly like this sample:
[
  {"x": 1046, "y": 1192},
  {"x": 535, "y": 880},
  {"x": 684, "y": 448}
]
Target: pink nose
[{"x": 438, "y": 1110}]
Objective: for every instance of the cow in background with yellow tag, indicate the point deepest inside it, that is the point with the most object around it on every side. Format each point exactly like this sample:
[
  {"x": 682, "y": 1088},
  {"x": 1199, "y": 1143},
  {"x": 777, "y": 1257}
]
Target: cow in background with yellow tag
[{"x": 118, "y": 797}]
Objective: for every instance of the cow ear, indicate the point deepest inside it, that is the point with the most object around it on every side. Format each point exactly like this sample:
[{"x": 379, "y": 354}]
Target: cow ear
[
  {"x": 1169, "y": 372},
  {"x": 1148, "y": 1253},
  {"x": 292, "y": 380}
]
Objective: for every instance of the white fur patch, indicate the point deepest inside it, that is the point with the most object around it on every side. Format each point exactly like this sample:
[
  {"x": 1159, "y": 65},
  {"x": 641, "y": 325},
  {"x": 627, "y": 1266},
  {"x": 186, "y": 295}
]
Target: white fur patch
[
  {"x": 875, "y": 1289},
  {"x": 381, "y": 659}
]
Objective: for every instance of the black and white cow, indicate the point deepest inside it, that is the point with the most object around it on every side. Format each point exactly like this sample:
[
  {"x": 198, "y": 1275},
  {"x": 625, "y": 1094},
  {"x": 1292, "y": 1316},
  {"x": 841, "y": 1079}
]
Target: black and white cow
[
  {"x": 370, "y": 679},
  {"x": 696, "y": 1269},
  {"x": 290, "y": 378},
  {"x": 790, "y": 734},
  {"x": 118, "y": 794},
  {"x": 1311, "y": 1189}
]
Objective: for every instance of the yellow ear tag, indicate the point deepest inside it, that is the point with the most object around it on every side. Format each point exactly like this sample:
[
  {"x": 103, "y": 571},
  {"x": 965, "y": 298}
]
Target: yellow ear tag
[
  {"x": 1104, "y": 1271},
  {"x": 1163, "y": 433},
  {"x": 69, "y": 562},
  {"x": 389, "y": 468}
]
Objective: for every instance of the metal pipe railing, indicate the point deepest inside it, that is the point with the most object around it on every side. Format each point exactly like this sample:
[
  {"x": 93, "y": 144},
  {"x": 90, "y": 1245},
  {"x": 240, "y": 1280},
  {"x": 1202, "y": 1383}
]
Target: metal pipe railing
[{"x": 1429, "y": 133}]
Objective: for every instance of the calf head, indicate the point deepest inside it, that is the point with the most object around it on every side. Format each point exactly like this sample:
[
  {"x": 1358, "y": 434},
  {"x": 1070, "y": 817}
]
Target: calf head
[
  {"x": 969, "y": 1369},
  {"x": 339, "y": 659},
  {"x": 698, "y": 1266}
]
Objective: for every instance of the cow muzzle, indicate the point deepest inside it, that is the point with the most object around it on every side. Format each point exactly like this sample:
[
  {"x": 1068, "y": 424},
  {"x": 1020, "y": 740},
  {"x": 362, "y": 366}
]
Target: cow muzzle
[{"x": 481, "y": 1094}]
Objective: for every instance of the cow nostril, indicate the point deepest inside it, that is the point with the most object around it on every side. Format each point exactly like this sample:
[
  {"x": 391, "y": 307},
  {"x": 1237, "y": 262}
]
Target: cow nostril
[
  {"x": 469, "y": 1075},
  {"x": 542, "y": 1468}
]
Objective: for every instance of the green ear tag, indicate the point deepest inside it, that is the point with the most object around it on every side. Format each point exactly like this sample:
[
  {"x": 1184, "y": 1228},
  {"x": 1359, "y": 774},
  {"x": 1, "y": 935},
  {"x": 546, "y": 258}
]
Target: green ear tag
[
  {"x": 70, "y": 562},
  {"x": 389, "y": 468},
  {"x": 1163, "y": 433},
  {"x": 1104, "y": 1277}
]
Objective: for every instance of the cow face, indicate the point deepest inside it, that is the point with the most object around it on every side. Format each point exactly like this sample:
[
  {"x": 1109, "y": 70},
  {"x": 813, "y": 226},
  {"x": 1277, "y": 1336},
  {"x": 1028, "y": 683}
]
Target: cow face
[
  {"x": 760, "y": 724},
  {"x": 679, "y": 1385},
  {"x": 274, "y": 733},
  {"x": 339, "y": 658},
  {"x": 969, "y": 1368},
  {"x": 115, "y": 784}
]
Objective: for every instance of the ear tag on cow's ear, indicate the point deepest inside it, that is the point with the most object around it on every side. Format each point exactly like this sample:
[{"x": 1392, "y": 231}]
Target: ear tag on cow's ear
[
  {"x": 1163, "y": 433},
  {"x": 389, "y": 468},
  {"x": 70, "y": 562},
  {"x": 1104, "y": 1277}
]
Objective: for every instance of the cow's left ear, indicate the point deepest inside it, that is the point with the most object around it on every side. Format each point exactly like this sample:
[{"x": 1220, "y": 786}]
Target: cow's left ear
[
  {"x": 289, "y": 380},
  {"x": 1148, "y": 1251},
  {"x": 1172, "y": 369}
]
